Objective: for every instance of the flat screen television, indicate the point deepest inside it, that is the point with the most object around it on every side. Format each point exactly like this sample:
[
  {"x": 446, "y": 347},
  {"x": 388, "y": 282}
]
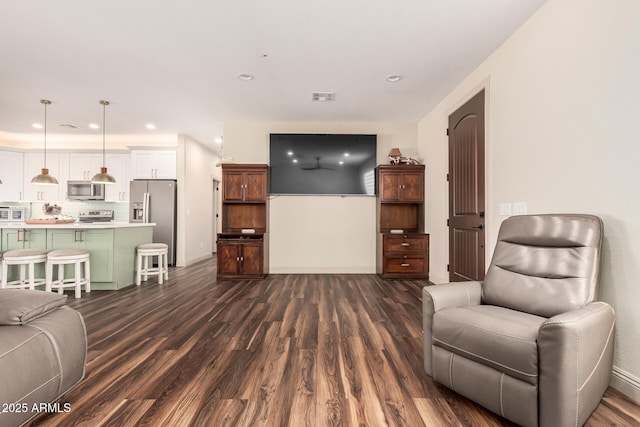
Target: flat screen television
[{"x": 336, "y": 164}]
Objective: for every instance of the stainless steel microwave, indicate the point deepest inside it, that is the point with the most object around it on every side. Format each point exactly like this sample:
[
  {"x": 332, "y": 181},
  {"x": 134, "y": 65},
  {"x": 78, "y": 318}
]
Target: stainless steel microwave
[{"x": 84, "y": 190}]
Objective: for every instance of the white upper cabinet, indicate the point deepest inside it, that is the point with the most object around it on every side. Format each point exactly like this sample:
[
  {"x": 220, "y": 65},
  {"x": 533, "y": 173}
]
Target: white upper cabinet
[
  {"x": 33, "y": 164},
  {"x": 118, "y": 167},
  {"x": 83, "y": 166},
  {"x": 153, "y": 164},
  {"x": 11, "y": 175}
]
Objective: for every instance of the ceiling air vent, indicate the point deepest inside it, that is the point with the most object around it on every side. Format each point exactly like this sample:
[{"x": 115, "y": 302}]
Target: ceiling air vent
[
  {"x": 323, "y": 96},
  {"x": 66, "y": 125}
]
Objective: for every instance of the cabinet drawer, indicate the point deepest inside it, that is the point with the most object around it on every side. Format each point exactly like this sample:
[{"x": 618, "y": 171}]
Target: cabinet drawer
[
  {"x": 402, "y": 244},
  {"x": 404, "y": 265}
]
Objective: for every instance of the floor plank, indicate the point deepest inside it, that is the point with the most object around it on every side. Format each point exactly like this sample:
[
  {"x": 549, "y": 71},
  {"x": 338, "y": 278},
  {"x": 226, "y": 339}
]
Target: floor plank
[{"x": 289, "y": 350}]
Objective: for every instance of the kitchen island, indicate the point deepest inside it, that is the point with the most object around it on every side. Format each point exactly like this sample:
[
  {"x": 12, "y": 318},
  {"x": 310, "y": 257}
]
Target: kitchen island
[{"x": 112, "y": 246}]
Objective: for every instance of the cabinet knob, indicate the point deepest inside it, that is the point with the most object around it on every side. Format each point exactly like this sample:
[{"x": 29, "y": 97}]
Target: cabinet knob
[{"x": 404, "y": 244}]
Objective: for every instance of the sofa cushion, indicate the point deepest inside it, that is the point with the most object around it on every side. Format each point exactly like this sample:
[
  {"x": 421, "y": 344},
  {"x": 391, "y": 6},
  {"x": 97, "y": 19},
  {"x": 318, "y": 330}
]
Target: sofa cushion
[
  {"x": 495, "y": 336},
  {"x": 18, "y": 306}
]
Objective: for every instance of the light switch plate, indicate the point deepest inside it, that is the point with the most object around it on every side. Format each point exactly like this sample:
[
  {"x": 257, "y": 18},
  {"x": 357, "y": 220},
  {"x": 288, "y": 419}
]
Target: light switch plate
[
  {"x": 519, "y": 208},
  {"x": 505, "y": 209}
]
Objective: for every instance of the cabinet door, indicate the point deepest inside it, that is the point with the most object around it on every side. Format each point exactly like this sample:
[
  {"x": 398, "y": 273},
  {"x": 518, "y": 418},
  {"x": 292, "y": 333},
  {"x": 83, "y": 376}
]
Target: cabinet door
[
  {"x": 412, "y": 184},
  {"x": 11, "y": 169},
  {"x": 255, "y": 186},
  {"x": 232, "y": 187},
  {"x": 390, "y": 186},
  {"x": 117, "y": 166},
  {"x": 251, "y": 259},
  {"x": 33, "y": 164},
  {"x": 143, "y": 164},
  {"x": 83, "y": 166},
  {"x": 100, "y": 244},
  {"x": 228, "y": 258},
  {"x": 166, "y": 167},
  {"x": 24, "y": 239}
]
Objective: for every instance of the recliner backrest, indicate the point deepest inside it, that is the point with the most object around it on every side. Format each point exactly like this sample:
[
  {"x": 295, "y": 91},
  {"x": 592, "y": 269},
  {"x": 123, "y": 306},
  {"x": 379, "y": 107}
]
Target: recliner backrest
[{"x": 545, "y": 264}]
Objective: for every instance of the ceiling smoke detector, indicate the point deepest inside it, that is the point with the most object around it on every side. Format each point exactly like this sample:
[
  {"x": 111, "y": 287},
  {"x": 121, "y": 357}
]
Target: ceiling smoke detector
[{"x": 323, "y": 96}]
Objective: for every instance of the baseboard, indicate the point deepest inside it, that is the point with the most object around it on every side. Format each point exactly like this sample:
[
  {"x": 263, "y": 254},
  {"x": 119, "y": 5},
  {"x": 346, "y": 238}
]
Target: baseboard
[
  {"x": 196, "y": 260},
  {"x": 626, "y": 383},
  {"x": 321, "y": 270}
]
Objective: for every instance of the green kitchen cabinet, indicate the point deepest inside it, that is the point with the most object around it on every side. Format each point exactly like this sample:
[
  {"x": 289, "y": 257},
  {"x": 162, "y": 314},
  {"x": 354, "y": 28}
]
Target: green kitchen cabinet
[
  {"x": 98, "y": 242},
  {"x": 20, "y": 238}
]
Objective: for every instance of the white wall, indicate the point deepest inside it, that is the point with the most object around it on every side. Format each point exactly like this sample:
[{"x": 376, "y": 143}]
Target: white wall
[
  {"x": 563, "y": 103},
  {"x": 196, "y": 172},
  {"x": 318, "y": 234}
]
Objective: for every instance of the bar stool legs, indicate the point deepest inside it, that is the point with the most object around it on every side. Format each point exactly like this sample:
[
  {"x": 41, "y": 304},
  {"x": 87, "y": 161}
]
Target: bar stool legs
[
  {"x": 63, "y": 257},
  {"x": 148, "y": 251}
]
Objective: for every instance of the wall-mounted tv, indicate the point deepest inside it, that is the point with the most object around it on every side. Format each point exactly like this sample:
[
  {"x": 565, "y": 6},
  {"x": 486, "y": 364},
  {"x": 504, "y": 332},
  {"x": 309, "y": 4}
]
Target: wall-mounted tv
[{"x": 338, "y": 164}]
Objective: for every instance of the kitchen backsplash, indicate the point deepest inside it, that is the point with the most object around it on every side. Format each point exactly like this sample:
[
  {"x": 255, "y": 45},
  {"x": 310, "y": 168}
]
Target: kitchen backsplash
[{"x": 73, "y": 208}]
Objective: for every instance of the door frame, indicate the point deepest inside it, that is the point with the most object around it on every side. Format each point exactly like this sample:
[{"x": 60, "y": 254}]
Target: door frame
[{"x": 489, "y": 243}]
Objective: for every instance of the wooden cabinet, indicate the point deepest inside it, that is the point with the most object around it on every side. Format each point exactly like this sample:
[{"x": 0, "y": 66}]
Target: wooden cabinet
[
  {"x": 240, "y": 257},
  {"x": 405, "y": 185},
  {"x": 402, "y": 248},
  {"x": 11, "y": 174},
  {"x": 404, "y": 256},
  {"x": 153, "y": 164},
  {"x": 241, "y": 246},
  {"x": 244, "y": 183}
]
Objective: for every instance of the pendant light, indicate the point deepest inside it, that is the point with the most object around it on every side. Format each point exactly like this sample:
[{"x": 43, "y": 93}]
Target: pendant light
[
  {"x": 103, "y": 177},
  {"x": 44, "y": 178}
]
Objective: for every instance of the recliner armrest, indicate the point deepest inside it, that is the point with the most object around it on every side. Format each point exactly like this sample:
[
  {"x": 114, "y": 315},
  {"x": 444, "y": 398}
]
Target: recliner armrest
[
  {"x": 19, "y": 307},
  {"x": 575, "y": 351},
  {"x": 437, "y": 297}
]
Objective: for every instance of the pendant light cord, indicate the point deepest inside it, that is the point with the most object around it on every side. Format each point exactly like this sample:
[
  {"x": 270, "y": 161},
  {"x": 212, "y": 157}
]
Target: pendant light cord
[
  {"x": 104, "y": 114},
  {"x": 45, "y": 134}
]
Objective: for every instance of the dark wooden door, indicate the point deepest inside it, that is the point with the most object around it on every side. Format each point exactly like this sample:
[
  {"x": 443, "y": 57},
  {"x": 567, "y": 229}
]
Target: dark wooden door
[
  {"x": 255, "y": 184},
  {"x": 466, "y": 191},
  {"x": 252, "y": 258},
  {"x": 412, "y": 184},
  {"x": 228, "y": 258},
  {"x": 389, "y": 186},
  {"x": 232, "y": 187}
]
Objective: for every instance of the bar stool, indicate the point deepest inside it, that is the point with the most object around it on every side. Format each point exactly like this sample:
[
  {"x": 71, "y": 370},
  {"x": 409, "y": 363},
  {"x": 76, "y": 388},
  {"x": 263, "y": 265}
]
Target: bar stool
[
  {"x": 23, "y": 258},
  {"x": 149, "y": 250},
  {"x": 62, "y": 257}
]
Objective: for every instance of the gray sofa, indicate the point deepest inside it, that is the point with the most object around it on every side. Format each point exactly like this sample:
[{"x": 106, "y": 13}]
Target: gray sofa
[
  {"x": 43, "y": 350},
  {"x": 531, "y": 342}
]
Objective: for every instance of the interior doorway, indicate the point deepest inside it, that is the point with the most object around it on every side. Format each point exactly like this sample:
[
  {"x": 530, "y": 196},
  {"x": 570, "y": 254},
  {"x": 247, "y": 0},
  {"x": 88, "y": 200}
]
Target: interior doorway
[{"x": 466, "y": 191}]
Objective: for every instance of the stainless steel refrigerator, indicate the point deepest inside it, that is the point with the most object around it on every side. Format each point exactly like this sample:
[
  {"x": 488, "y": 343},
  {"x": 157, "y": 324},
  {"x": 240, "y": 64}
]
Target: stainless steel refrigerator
[{"x": 154, "y": 200}]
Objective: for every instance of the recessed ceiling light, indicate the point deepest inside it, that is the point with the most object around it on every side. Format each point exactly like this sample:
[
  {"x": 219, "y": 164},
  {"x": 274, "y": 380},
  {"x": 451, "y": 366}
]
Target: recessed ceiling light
[
  {"x": 394, "y": 78},
  {"x": 341, "y": 162},
  {"x": 245, "y": 77},
  {"x": 37, "y": 126},
  {"x": 94, "y": 126},
  {"x": 150, "y": 126},
  {"x": 218, "y": 140},
  {"x": 289, "y": 153},
  {"x": 346, "y": 154},
  {"x": 295, "y": 160}
]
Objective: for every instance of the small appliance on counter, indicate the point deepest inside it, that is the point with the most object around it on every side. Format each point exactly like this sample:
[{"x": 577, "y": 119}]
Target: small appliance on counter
[
  {"x": 95, "y": 216},
  {"x": 12, "y": 214}
]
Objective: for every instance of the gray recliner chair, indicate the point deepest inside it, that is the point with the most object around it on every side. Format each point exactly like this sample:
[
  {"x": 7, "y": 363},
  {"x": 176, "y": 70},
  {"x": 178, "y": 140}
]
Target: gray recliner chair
[{"x": 530, "y": 342}]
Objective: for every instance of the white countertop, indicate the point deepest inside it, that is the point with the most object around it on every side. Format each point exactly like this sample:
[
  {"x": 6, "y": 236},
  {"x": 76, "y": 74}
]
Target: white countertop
[{"x": 78, "y": 225}]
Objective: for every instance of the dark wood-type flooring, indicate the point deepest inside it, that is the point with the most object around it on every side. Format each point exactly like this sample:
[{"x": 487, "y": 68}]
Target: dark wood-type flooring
[{"x": 291, "y": 350}]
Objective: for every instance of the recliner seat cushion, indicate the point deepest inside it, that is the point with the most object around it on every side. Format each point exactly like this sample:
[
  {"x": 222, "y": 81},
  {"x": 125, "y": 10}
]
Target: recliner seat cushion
[{"x": 495, "y": 336}]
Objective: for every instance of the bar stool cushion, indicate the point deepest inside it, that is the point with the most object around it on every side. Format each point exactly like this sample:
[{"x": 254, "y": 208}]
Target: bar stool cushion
[
  {"x": 24, "y": 254},
  {"x": 18, "y": 307},
  {"x": 67, "y": 254},
  {"x": 153, "y": 246}
]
